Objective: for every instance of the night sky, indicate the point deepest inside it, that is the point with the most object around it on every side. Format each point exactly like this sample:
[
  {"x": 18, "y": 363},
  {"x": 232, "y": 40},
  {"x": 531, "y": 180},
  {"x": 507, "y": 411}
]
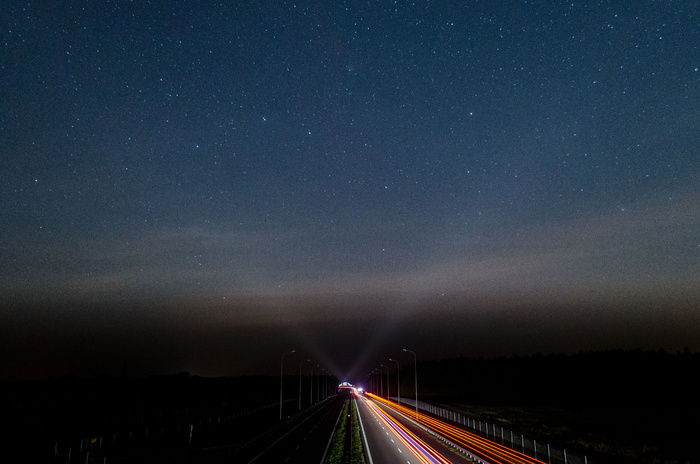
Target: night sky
[{"x": 202, "y": 186}]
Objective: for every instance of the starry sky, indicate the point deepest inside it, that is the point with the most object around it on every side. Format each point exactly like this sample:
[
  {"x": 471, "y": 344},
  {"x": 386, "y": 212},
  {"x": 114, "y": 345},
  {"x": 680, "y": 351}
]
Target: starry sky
[{"x": 202, "y": 186}]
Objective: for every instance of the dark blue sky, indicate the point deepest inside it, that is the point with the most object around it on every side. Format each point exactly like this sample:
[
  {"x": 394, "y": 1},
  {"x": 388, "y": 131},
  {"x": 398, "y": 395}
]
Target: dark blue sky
[{"x": 349, "y": 173}]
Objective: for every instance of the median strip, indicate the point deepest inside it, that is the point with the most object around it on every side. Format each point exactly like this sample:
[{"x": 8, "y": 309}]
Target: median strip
[{"x": 347, "y": 443}]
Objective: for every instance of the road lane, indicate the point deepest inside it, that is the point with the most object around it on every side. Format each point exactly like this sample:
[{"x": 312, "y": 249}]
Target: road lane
[
  {"x": 302, "y": 441},
  {"x": 390, "y": 441},
  {"x": 486, "y": 450}
]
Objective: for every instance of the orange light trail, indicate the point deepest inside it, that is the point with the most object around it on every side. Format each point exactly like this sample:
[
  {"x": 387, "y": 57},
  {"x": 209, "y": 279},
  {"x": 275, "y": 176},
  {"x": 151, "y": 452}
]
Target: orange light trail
[
  {"x": 420, "y": 449},
  {"x": 486, "y": 449}
]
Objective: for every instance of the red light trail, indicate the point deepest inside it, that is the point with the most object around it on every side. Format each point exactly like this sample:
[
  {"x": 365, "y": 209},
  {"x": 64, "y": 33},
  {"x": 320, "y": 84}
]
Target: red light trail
[
  {"x": 491, "y": 451},
  {"x": 421, "y": 450}
]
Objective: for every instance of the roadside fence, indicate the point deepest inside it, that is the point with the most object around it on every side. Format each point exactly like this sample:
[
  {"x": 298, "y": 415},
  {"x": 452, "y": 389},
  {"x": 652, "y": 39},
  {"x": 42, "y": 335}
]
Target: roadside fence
[
  {"x": 145, "y": 431},
  {"x": 496, "y": 433}
]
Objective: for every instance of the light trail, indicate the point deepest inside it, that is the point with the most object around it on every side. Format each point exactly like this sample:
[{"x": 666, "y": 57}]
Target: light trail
[
  {"x": 479, "y": 446},
  {"x": 420, "y": 449}
]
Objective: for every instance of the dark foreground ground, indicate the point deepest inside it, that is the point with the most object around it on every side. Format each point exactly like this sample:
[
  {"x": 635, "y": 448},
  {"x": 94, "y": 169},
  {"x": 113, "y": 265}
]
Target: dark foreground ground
[{"x": 613, "y": 407}]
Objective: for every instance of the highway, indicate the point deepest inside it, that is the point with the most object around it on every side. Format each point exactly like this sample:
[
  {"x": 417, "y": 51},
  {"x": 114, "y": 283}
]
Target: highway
[
  {"x": 486, "y": 450},
  {"x": 303, "y": 439},
  {"x": 392, "y": 434},
  {"x": 392, "y": 439}
]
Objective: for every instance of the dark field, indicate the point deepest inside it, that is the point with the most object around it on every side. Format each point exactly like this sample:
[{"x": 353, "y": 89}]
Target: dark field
[
  {"x": 612, "y": 407},
  {"x": 151, "y": 418}
]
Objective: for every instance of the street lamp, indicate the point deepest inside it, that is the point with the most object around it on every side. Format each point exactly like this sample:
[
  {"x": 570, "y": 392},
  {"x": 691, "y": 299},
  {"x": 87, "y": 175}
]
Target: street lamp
[
  {"x": 381, "y": 381},
  {"x": 300, "y": 363},
  {"x": 326, "y": 376},
  {"x": 311, "y": 384},
  {"x": 387, "y": 380},
  {"x": 415, "y": 359},
  {"x": 398, "y": 381},
  {"x": 282, "y": 376}
]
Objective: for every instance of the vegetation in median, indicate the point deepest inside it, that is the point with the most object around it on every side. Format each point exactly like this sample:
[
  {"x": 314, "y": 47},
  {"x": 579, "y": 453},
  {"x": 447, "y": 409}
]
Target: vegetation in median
[
  {"x": 358, "y": 455},
  {"x": 347, "y": 442}
]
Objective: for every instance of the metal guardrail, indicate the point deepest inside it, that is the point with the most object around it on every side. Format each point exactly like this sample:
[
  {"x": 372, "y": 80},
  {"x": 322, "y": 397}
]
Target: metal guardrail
[{"x": 517, "y": 441}]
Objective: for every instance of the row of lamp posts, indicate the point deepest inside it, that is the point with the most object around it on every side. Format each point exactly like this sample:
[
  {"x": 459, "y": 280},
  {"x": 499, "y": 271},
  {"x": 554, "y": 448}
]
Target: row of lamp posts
[
  {"x": 311, "y": 385},
  {"x": 398, "y": 381}
]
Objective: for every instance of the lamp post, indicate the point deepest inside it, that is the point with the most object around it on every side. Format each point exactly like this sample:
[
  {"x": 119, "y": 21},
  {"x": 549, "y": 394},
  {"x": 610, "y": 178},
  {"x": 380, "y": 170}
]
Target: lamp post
[
  {"x": 321, "y": 384},
  {"x": 282, "y": 377},
  {"x": 326, "y": 376},
  {"x": 398, "y": 381},
  {"x": 311, "y": 391},
  {"x": 387, "y": 380},
  {"x": 318, "y": 384},
  {"x": 415, "y": 360},
  {"x": 381, "y": 381},
  {"x": 323, "y": 387},
  {"x": 300, "y": 363}
]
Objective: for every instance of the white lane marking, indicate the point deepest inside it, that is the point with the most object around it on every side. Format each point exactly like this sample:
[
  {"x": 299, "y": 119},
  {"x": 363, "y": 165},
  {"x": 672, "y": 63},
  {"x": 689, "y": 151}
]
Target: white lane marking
[
  {"x": 364, "y": 435},
  {"x": 282, "y": 437},
  {"x": 400, "y": 450}
]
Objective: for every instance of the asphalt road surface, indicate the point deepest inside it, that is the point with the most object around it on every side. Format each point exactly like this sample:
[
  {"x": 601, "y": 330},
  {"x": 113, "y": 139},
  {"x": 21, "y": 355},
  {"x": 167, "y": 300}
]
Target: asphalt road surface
[
  {"x": 485, "y": 450},
  {"x": 300, "y": 440},
  {"x": 393, "y": 439}
]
